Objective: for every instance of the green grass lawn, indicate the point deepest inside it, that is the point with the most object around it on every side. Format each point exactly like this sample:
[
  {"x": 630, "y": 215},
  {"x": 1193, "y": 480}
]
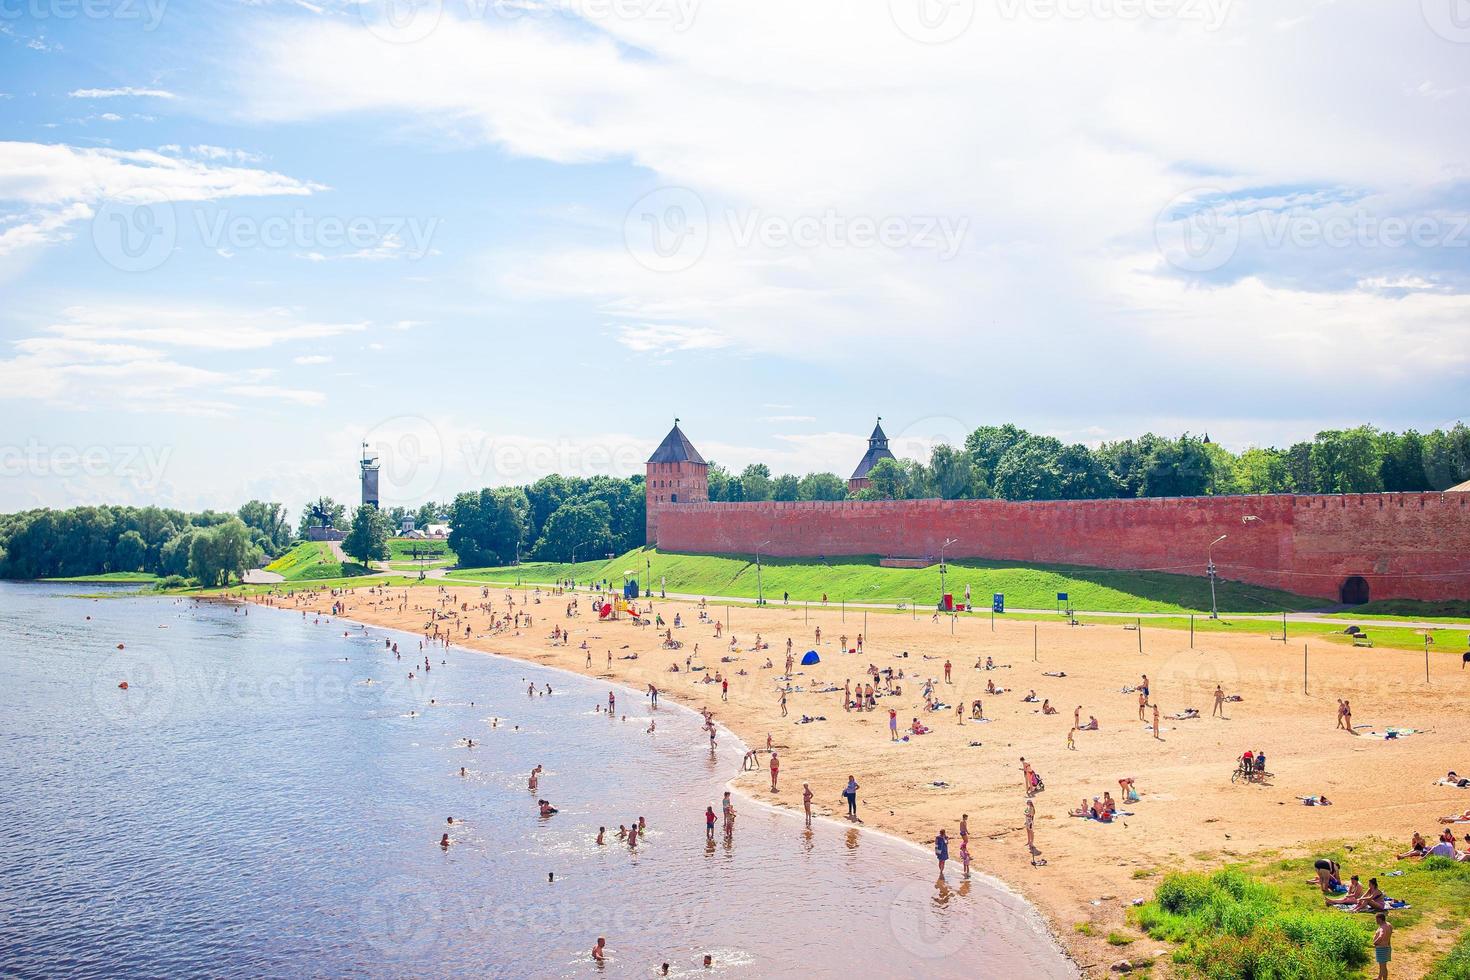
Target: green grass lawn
[
  {"x": 402, "y": 550},
  {"x": 144, "y": 577},
  {"x": 1263, "y": 920},
  {"x": 861, "y": 579},
  {"x": 311, "y": 560}
]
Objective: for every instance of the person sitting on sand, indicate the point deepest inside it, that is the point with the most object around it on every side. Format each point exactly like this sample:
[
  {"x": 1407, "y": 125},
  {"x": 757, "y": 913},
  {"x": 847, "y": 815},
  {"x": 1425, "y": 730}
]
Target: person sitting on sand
[
  {"x": 917, "y": 729},
  {"x": 1091, "y": 725},
  {"x": 1353, "y": 896},
  {"x": 1046, "y": 707},
  {"x": 1082, "y": 811},
  {"x": 1030, "y": 697}
]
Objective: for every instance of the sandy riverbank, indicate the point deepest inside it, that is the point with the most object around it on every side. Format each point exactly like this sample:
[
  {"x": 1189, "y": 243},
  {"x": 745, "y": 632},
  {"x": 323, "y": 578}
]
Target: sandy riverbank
[{"x": 1191, "y": 815}]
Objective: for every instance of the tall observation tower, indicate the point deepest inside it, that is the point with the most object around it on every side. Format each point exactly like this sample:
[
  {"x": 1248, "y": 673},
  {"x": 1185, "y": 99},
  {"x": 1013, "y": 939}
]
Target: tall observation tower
[{"x": 369, "y": 466}]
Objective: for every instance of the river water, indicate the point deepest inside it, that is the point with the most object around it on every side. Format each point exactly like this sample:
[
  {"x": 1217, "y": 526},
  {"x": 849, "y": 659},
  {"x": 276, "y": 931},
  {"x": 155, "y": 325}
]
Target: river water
[{"x": 268, "y": 796}]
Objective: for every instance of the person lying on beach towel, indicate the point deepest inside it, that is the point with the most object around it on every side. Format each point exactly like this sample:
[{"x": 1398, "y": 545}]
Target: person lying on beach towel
[
  {"x": 1456, "y": 818},
  {"x": 1234, "y": 697},
  {"x": 1048, "y": 673},
  {"x": 1315, "y": 801},
  {"x": 1188, "y": 714},
  {"x": 1452, "y": 779},
  {"x": 807, "y": 719}
]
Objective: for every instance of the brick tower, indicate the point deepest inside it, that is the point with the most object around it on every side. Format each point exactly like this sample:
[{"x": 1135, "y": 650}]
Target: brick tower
[
  {"x": 677, "y": 474},
  {"x": 877, "y": 449}
]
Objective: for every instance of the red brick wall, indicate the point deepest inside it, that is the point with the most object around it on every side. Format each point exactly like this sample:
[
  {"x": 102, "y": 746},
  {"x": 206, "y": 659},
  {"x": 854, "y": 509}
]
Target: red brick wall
[{"x": 1407, "y": 545}]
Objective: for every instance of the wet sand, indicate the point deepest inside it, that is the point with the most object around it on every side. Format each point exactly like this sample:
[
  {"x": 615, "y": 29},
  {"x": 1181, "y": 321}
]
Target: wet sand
[{"x": 1191, "y": 815}]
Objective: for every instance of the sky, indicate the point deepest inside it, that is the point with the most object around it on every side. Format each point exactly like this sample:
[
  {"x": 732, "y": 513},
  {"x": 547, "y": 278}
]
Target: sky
[{"x": 500, "y": 238}]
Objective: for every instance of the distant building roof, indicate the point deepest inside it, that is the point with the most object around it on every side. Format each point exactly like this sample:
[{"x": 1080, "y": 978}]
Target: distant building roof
[
  {"x": 877, "y": 449},
  {"x": 1460, "y": 488},
  {"x": 676, "y": 448}
]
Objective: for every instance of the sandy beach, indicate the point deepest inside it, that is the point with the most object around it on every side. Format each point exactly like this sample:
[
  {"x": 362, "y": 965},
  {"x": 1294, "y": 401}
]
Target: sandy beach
[{"x": 1190, "y": 816}]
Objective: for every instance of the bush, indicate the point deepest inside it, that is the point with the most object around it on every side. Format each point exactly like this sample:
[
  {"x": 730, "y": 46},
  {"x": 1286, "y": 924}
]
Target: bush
[
  {"x": 1456, "y": 965},
  {"x": 1231, "y": 926},
  {"x": 174, "y": 582}
]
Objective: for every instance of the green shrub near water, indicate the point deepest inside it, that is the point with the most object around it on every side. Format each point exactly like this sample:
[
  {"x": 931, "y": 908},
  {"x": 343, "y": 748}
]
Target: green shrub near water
[{"x": 1231, "y": 926}]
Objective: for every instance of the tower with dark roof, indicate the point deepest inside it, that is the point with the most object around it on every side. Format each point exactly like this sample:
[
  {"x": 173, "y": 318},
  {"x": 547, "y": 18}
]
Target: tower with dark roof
[
  {"x": 877, "y": 449},
  {"x": 676, "y": 474}
]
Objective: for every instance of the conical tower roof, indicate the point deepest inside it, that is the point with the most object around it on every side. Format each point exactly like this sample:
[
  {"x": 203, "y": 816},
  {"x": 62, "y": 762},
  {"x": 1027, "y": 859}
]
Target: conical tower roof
[
  {"x": 676, "y": 448},
  {"x": 877, "y": 449}
]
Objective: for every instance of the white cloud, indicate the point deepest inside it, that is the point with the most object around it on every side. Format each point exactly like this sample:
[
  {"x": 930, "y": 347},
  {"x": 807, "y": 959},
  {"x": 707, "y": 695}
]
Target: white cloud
[
  {"x": 50, "y": 185},
  {"x": 42, "y": 227},
  {"x": 200, "y": 328},
  {"x": 126, "y": 91},
  {"x": 310, "y": 359},
  {"x": 130, "y": 358},
  {"x": 1061, "y": 178}
]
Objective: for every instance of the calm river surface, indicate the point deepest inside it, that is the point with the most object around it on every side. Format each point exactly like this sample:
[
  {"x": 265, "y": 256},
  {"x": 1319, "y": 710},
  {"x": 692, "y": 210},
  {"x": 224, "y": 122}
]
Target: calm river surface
[{"x": 268, "y": 796}]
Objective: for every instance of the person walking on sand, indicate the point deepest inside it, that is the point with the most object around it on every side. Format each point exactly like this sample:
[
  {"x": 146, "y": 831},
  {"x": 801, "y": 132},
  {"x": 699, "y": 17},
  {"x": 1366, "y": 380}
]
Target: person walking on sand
[
  {"x": 1156, "y": 722},
  {"x": 1072, "y": 738},
  {"x": 1340, "y": 712},
  {"x": 725, "y": 689},
  {"x": 806, "y": 803},
  {"x": 849, "y": 793},
  {"x": 892, "y": 725},
  {"x": 1383, "y": 945},
  {"x": 1347, "y": 717},
  {"x": 847, "y": 695},
  {"x": 775, "y": 770},
  {"x": 1142, "y": 703},
  {"x": 783, "y": 702},
  {"x": 1219, "y": 709},
  {"x": 947, "y": 668},
  {"x": 941, "y": 850},
  {"x": 1030, "y": 826}
]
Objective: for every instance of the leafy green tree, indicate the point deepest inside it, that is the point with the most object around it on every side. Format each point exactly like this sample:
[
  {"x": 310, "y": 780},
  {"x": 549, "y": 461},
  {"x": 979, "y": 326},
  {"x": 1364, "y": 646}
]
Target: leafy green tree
[
  {"x": 755, "y": 481},
  {"x": 1401, "y": 464},
  {"x": 1262, "y": 471},
  {"x": 583, "y": 530},
  {"x": 887, "y": 480},
  {"x": 487, "y": 528},
  {"x": 270, "y": 520},
  {"x": 1347, "y": 461},
  {"x": 987, "y": 444},
  {"x": 367, "y": 541},
  {"x": 785, "y": 487},
  {"x": 1447, "y": 456},
  {"x": 220, "y": 553},
  {"x": 129, "y": 553},
  {"x": 955, "y": 474},
  {"x": 821, "y": 486}
]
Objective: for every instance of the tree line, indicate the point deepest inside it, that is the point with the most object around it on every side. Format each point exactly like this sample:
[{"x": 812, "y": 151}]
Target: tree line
[
  {"x": 561, "y": 518},
  {"x": 210, "y": 547}
]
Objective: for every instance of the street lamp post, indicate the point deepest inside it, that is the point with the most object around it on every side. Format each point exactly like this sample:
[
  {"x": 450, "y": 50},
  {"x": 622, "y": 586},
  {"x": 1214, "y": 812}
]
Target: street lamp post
[
  {"x": 942, "y": 569},
  {"x": 760, "y": 594},
  {"x": 1210, "y": 571}
]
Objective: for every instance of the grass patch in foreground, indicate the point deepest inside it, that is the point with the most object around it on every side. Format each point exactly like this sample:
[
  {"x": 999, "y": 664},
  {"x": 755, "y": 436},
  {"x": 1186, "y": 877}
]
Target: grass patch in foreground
[
  {"x": 1229, "y": 925},
  {"x": 109, "y": 577},
  {"x": 1264, "y": 920},
  {"x": 314, "y": 560}
]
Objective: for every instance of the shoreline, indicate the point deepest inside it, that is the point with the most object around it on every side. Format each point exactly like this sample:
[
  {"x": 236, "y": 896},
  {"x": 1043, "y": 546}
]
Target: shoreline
[
  {"x": 1022, "y": 905},
  {"x": 1090, "y": 878}
]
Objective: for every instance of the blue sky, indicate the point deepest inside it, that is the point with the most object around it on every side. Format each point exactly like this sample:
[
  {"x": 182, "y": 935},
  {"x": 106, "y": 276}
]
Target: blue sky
[{"x": 497, "y": 238}]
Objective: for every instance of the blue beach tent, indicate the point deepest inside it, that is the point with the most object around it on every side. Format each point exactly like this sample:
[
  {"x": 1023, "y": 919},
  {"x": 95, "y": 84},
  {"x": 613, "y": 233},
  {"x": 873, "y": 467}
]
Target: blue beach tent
[{"x": 810, "y": 658}]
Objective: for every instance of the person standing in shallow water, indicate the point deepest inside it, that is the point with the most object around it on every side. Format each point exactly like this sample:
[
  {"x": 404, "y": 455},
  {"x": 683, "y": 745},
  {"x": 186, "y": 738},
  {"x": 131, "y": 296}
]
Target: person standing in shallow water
[{"x": 941, "y": 850}]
